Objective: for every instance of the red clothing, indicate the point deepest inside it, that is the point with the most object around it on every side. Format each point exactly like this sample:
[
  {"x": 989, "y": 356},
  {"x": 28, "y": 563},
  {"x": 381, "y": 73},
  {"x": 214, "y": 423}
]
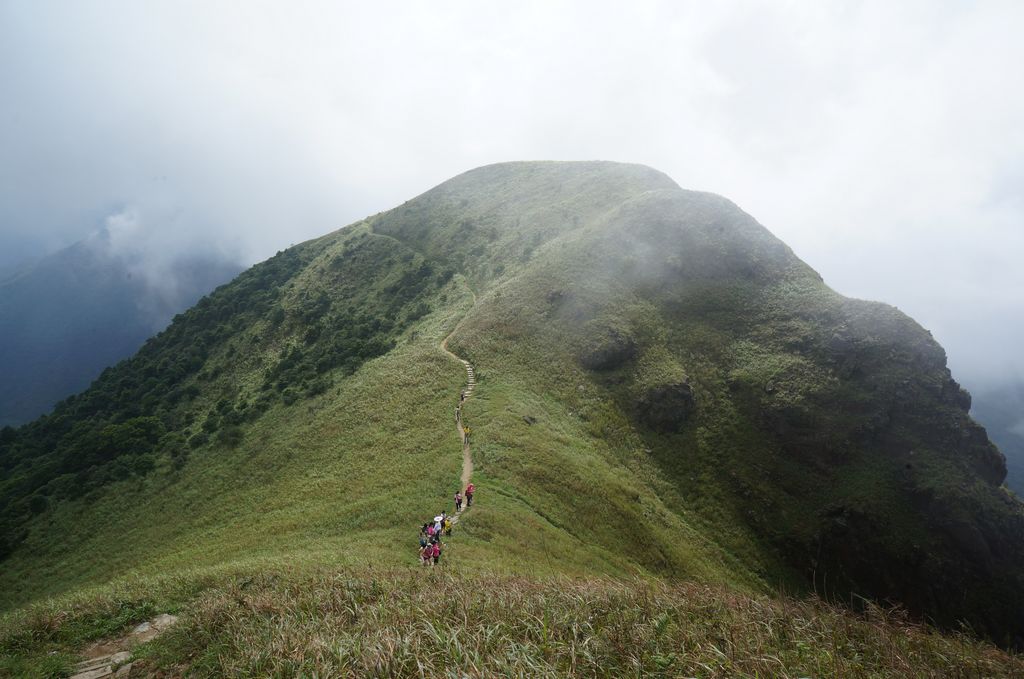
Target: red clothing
[
  {"x": 437, "y": 549},
  {"x": 470, "y": 488}
]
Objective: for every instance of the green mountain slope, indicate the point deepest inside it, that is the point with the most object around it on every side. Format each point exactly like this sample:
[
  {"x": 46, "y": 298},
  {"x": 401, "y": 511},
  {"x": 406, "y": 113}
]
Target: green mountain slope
[{"x": 664, "y": 389}]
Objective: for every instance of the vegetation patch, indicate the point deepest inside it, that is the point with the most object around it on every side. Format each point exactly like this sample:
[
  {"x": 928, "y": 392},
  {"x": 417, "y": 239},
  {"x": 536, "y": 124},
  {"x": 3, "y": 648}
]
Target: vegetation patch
[{"x": 414, "y": 623}]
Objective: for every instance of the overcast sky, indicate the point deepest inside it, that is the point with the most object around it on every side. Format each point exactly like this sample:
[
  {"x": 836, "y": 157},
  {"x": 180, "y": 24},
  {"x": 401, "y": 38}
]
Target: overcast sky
[{"x": 883, "y": 141}]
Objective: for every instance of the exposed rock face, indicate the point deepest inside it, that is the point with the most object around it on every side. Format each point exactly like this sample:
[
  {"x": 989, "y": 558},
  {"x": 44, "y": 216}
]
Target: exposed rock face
[
  {"x": 667, "y": 408},
  {"x": 607, "y": 349}
]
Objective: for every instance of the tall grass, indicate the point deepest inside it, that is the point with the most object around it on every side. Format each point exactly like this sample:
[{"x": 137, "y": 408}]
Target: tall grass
[{"x": 433, "y": 623}]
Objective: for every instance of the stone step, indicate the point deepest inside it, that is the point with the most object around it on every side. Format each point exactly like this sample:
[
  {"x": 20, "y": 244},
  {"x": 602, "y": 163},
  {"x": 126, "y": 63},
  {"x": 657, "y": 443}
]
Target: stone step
[
  {"x": 102, "y": 666},
  {"x": 92, "y": 664}
]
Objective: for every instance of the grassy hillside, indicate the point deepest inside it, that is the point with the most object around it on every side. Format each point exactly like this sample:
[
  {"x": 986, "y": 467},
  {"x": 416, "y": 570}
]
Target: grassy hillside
[
  {"x": 820, "y": 440},
  {"x": 664, "y": 391},
  {"x": 325, "y": 622}
]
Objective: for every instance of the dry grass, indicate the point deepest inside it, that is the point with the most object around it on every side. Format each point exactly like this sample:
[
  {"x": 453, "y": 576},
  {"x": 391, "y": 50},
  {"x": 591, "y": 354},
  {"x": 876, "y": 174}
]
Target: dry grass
[{"x": 432, "y": 624}]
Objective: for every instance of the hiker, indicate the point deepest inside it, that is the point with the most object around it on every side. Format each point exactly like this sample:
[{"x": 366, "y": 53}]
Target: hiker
[
  {"x": 458, "y": 415},
  {"x": 437, "y": 525},
  {"x": 470, "y": 489},
  {"x": 448, "y": 527},
  {"x": 426, "y": 554},
  {"x": 466, "y": 431},
  {"x": 462, "y": 396},
  {"x": 437, "y": 552},
  {"x": 423, "y": 541},
  {"x": 458, "y": 501},
  {"x": 430, "y": 530}
]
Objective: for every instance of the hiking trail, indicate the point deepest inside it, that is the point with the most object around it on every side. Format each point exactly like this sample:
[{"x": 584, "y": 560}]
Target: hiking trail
[
  {"x": 467, "y": 457},
  {"x": 113, "y": 657}
]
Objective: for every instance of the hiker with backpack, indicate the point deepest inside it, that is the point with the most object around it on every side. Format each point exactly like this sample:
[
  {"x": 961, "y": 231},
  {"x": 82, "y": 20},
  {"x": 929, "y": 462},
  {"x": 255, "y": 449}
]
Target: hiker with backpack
[
  {"x": 458, "y": 501},
  {"x": 448, "y": 526},
  {"x": 436, "y": 552},
  {"x": 470, "y": 489},
  {"x": 466, "y": 431},
  {"x": 427, "y": 554}
]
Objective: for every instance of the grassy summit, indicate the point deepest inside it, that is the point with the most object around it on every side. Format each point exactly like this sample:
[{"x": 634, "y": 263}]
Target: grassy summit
[{"x": 665, "y": 391}]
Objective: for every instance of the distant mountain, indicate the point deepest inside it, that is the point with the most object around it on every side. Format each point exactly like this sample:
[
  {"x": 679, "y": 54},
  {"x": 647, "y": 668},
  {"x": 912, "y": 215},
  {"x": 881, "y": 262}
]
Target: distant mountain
[
  {"x": 66, "y": 317},
  {"x": 1001, "y": 410},
  {"x": 662, "y": 388}
]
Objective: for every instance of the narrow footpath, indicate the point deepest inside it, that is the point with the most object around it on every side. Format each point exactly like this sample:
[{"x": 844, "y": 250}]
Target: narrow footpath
[
  {"x": 113, "y": 658},
  {"x": 467, "y": 393}
]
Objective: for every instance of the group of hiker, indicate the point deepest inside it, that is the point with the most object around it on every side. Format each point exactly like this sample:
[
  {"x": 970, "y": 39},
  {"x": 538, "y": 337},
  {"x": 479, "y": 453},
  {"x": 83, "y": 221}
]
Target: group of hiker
[
  {"x": 430, "y": 538},
  {"x": 431, "y": 532}
]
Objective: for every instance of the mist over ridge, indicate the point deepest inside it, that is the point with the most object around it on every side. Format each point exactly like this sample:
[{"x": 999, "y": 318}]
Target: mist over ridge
[
  {"x": 879, "y": 142},
  {"x": 71, "y": 314},
  {"x": 585, "y": 338}
]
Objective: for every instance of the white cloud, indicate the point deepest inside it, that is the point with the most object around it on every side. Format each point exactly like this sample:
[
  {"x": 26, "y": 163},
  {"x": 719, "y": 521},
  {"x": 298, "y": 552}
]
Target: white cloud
[{"x": 881, "y": 140}]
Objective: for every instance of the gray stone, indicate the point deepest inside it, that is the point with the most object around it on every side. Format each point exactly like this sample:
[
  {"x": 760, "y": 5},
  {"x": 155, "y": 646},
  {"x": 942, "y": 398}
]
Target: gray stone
[
  {"x": 102, "y": 671},
  {"x": 93, "y": 663},
  {"x": 164, "y": 620}
]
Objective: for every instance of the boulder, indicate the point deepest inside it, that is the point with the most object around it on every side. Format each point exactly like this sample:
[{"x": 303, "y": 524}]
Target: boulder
[
  {"x": 607, "y": 349},
  {"x": 666, "y": 408}
]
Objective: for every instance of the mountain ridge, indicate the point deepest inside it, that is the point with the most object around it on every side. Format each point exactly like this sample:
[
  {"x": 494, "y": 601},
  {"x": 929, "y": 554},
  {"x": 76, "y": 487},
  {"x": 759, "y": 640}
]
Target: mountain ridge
[{"x": 663, "y": 388}]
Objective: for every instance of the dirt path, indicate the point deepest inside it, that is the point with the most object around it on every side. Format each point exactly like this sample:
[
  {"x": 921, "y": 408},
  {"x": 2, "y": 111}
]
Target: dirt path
[
  {"x": 113, "y": 657},
  {"x": 467, "y": 457}
]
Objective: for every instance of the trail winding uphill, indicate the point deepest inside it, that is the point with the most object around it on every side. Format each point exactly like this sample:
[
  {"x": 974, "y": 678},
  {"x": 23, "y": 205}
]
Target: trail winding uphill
[{"x": 467, "y": 393}]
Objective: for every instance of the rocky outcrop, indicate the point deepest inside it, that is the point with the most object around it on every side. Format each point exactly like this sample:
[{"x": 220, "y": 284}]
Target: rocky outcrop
[
  {"x": 666, "y": 408},
  {"x": 607, "y": 348}
]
